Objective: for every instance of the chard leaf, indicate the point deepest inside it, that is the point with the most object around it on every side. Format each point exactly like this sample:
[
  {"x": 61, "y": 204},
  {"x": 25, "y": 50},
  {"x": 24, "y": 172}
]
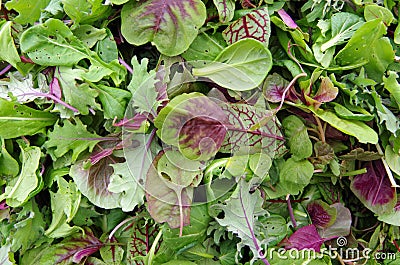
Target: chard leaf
[
  {"x": 239, "y": 67},
  {"x": 114, "y": 101},
  {"x": 226, "y": 9},
  {"x": 80, "y": 96},
  {"x": 29, "y": 12},
  {"x": 17, "y": 120},
  {"x": 250, "y": 130},
  {"x": 358, "y": 129},
  {"x": 123, "y": 182},
  {"x": 255, "y": 24},
  {"x": 64, "y": 204},
  {"x": 86, "y": 11},
  {"x": 321, "y": 214},
  {"x": 342, "y": 224},
  {"x": 19, "y": 189},
  {"x": 305, "y": 237},
  {"x": 299, "y": 143},
  {"x": 295, "y": 175},
  {"x": 73, "y": 249},
  {"x": 193, "y": 123},
  {"x": 170, "y": 25},
  {"x": 169, "y": 188},
  {"x": 343, "y": 26},
  {"x": 112, "y": 254},
  {"x": 8, "y": 51},
  {"x": 374, "y": 188},
  {"x": 70, "y": 137},
  {"x": 242, "y": 211}
]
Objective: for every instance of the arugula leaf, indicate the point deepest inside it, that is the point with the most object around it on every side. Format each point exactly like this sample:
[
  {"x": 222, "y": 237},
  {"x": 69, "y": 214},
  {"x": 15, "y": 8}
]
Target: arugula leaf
[
  {"x": 241, "y": 66},
  {"x": 171, "y": 26}
]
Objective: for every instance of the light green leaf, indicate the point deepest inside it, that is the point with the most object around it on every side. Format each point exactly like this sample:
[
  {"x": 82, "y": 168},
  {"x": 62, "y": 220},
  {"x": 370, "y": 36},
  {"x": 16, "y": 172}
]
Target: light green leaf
[
  {"x": 374, "y": 11},
  {"x": 260, "y": 164},
  {"x": 80, "y": 96},
  {"x": 358, "y": 129},
  {"x": 114, "y": 101},
  {"x": 64, "y": 204},
  {"x": 226, "y": 9},
  {"x": 86, "y": 11},
  {"x": 17, "y": 120},
  {"x": 205, "y": 47},
  {"x": 107, "y": 48},
  {"x": 21, "y": 188},
  {"x": 8, "y": 51},
  {"x": 392, "y": 218},
  {"x": 241, "y": 66},
  {"x": 70, "y": 137},
  {"x": 123, "y": 182},
  {"x": 171, "y": 28},
  {"x": 5, "y": 252},
  {"x": 29, "y": 11},
  {"x": 299, "y": 143},
  {"x": 295, "y": 175},
  {"x": 89, "y": 35},
  {"x": 392, "y": 159},
  {"x": 393, "y": 86},
  {"x": 385, "y": 115}
]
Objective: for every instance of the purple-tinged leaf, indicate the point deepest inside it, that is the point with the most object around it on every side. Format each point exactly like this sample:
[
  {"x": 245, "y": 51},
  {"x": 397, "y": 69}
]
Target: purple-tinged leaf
[
  {"x": 274, "y": 87},
  {"x": 321, "y": 214},
  {"x": 326, "y": 93},
  {"x": 3, "y": 205},
  {"x": 255, "y": 25},
  {"x": 287, "y": 19},
  {"x": 55, "y": 88},
  {"x": 361, "y": 155},
  {"x": 342, "y": 224},
  {"x": 132, "y": 123},
  {"x": 226, "y": 9},
  {"x": 171, "y": 25},
  {"x": 374, "y": 189},
  {"x": 305, "y": 237},
  {"x": 243, "y": 134},
  {"x": 72, "y": 249},
  {"x": 193, "y": 123}
]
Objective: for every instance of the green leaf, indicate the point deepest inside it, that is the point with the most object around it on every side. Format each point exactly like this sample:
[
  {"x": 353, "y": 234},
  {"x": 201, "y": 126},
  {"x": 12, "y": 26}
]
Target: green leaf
[
  {"x": 8, "y": 165},
  {"x": 241, "y": 66},
  {"x": 260, "y": 164},
  {"x": 64, "y": 204},
  {"x": 29, "y": 11},
  {"x": 8, "y": 51},
  {"x": 171, "y": 28},
  {"x": 114, "y": 101},
  {"x": 385, "y": 115},
  {"x": 370, "y": 48},
  {"x": 226, "y": 9},
  {"x": 295, "y": 175},
  {"x": 358, "y": 129},
  {"x": 344, "y": 113},
  {"x": 5, "y": 252},
  {"x": 392, "y": 159},
  {"x": 20, "y": 189},
  {"x": 373, "y": 11},
  {"x": 17, "y": 120},
  {"x": 393, "y": 86},
  {"x": 205, "y": 47},
  {"x": 107, "y": 48},
  {"x": 80, "y": 96},
  {"x": 89, "y": 35},
  {"x": 111, "y": 254},
  {"x": 123, "y": 182},
  {"x": 70, "y": 137},
  {"x": 86, "y": 11},
  {"x": 28, "y": 228},
  {"x": 299, "y": 143}
]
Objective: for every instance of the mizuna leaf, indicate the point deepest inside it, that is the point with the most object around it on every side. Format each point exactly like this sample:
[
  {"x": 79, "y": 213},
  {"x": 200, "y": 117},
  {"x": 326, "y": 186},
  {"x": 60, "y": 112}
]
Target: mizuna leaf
[
  {"x": 255, "y": 25},
  {"x": 241, "y": 66},
  {"x": 17, "y": 120},
  {"x": 171, "y": 25},
  {"x": 226, "y": 9},
  {"x": 374, "y": 188},
  {"x": 305, "y": 237},
  {"x": 193, "y": 123}
]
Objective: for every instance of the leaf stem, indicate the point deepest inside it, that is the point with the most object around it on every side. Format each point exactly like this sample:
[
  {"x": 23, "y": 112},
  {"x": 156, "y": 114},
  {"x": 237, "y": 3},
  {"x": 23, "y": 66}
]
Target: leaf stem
[
  {"x": 320, "y": 128},
  {"x": 124, "y": 64},
  {"x": 287, "y": 89},
  {"x": 52, "y": 97},
  {"x": 120, "y": 225},
  {"x": 5, "y": 69},
  {"x": 153, "y": 248},
  {"x": 387, "y": 168},
  {"x": 289, "y": 204}
]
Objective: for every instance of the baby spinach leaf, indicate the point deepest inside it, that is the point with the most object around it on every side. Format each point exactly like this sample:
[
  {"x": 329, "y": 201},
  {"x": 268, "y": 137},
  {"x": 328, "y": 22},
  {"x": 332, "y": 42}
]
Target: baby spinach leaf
[
  {"x": 392, "y": 159},
  {"x": 299, "y": 143},
  {"x": 17, "y": 120},
  {"x": 374, "y": 188},
  {"x": 71, "y": 137},
  {"x": 29, "y": 12},
  {"x": 170, "y": 25},
  {"x": 255, "y": 25},
  {"x": 19, "y": 189},
  {"x": 226, "y": 9},
  {"x": 241, "y": 66},
  {"x": 193, "y": 123}
]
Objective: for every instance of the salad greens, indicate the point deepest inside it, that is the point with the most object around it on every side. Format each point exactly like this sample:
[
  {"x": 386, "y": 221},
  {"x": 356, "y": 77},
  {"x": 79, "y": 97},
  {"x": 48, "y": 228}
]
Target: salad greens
[{"x": 199, "y": 132}]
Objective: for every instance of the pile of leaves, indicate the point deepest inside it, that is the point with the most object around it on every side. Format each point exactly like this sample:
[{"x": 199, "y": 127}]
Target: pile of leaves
[{"x": 199, "y": 132}]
